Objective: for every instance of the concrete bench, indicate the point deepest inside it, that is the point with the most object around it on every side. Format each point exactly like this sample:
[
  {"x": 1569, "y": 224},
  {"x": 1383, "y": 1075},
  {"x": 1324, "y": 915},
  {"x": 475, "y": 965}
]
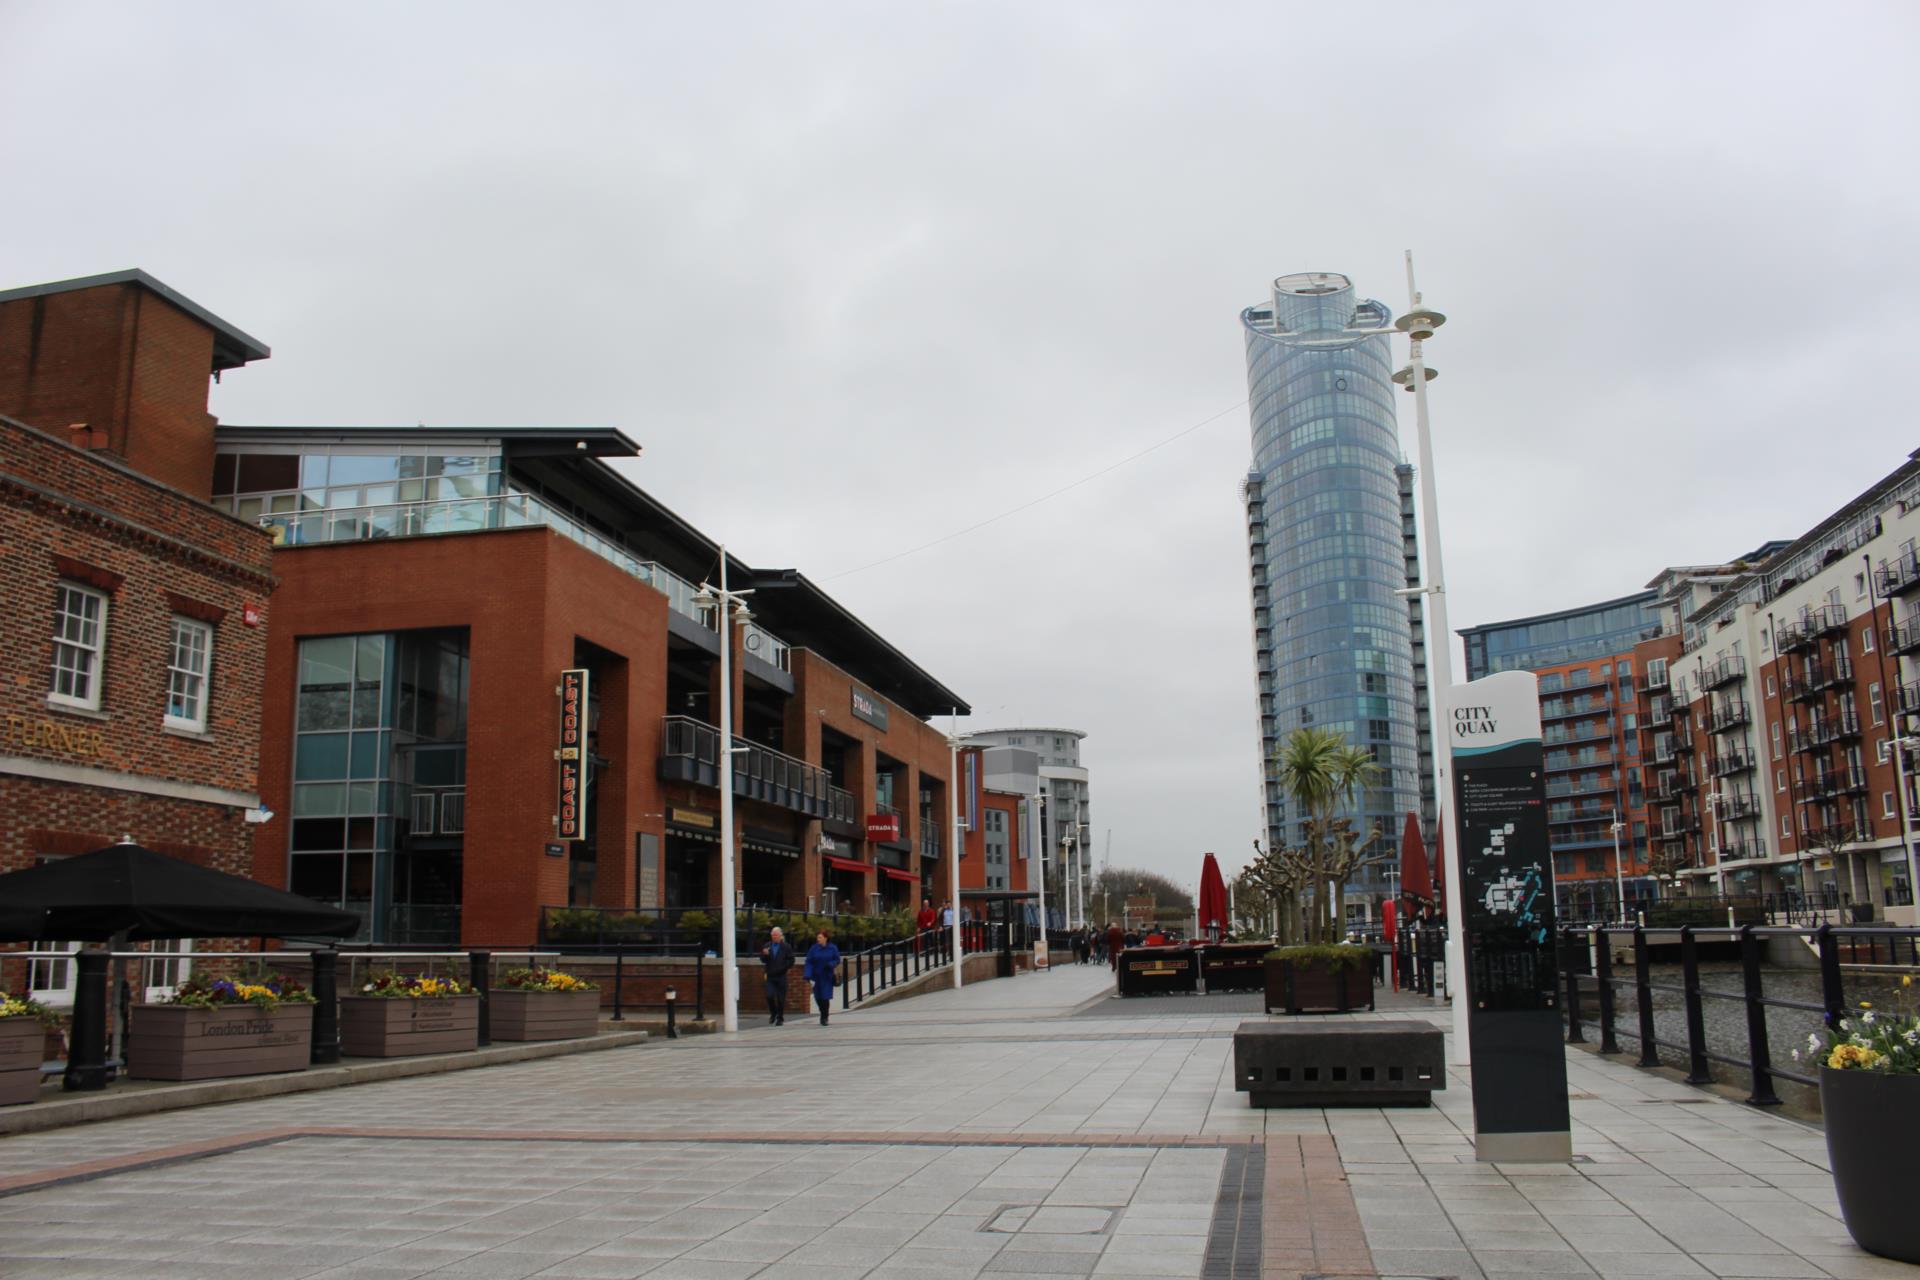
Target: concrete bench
[{"x": 1333, "y": 1064}]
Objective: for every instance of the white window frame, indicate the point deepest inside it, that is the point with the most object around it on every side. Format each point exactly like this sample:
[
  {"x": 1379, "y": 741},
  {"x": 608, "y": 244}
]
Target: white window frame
[
  {"x": 1886, "y": 804},
  {"x": 1779, "y": 779},
  {"x": 1876, "y": 703},
  {"x": 177, "y": 969},
  {"x": 98, "y": 649},
  {"x": 196, "y": 723},
  {"x": 59, "y": 974},
  {"x": 1866, "y": 640}
]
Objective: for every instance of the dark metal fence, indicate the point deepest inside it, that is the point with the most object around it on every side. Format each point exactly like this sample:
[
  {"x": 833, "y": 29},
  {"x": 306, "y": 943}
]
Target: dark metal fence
[
  {"x": 1823, "y": 905},
  {"x": 1836, "y": 949}
]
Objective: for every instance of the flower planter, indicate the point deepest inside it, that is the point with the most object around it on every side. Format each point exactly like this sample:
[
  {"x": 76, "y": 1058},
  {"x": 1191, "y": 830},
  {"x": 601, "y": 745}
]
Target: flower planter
[
  {"x": 182, "y": 1042},
  {"x": 542, "y": 1015},
  {"x": 400, "y": 1027},
  {"x": 1870, "y": 1118},
  {"x": 1298, "y": 989},
  {"x": 22, "y": 1041}
]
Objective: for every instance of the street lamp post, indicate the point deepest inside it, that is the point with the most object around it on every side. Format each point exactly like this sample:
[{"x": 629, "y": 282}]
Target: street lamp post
[
  {"x": 732, "y": 611},
  {"x": 1040, "y": 857},
  {"x": 959, "y": 843},
  {"x": 1900, "y": 746},
  {"x": 1619, "y": 877},
  {"x": 1716, "y": 805}
]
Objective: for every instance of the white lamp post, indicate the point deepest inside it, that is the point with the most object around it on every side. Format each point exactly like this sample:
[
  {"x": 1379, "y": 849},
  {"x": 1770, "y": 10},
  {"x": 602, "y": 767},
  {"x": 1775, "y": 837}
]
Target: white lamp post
[
  {"x": 1040, "y": 857},
  {"x": 732, "y": 611},
  {"x": 959, "y": 843},
  {"x": 1716, "y": 803},
  {"x": 1619, "y": 876},
  {"x": 1900, "y": 746}
]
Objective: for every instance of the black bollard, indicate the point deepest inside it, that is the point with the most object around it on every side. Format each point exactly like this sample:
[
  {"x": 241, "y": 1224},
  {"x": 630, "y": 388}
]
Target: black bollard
[
  {"x": 87, "y": 1039},
  {"x": 477, "y": 964},
  {"x": 326, "y": 1007},
  {"x": 673, "y": 1002}
]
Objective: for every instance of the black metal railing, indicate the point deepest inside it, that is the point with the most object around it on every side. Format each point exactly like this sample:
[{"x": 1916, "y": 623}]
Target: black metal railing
[
  {"x": 1726, "y": 671},
  {"x": 1898, "y": 575},
  {"x": 1903, "y": 637},
  {"x": 690, "y": 752},
  {"x": 667, "y": 931},
  {"x": 1729, "y": 714},
  {"x": 1833, "y": 946}
]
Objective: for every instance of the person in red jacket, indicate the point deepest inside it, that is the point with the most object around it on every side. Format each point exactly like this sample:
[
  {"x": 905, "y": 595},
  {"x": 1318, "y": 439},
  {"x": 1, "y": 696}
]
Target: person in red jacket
[{"x": 924, "y": 922}]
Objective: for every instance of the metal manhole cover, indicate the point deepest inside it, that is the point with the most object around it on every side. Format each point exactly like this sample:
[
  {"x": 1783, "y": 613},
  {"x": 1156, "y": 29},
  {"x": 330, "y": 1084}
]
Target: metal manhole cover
[{"x": 1051, "y": 1220}]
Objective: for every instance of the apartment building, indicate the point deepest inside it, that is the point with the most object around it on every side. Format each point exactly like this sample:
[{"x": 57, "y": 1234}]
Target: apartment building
[{"x": 1784, "y": 758}]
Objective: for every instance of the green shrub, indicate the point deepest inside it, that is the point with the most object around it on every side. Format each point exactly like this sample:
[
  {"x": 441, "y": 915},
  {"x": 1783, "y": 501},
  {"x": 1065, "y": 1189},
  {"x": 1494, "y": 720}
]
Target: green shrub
[
  {"x": 696, "y": 921},
  {"x": 1323, "y": 956}
]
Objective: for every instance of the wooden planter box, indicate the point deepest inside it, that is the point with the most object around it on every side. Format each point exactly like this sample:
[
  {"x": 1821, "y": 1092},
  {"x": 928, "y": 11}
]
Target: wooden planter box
[
  {"x": 382, "y": 1027},
  {"x": 1340, "y": 989},
  {"x": 177, "y": 1042},
  {"x": 542, "y": 1015},
  {"x": 22, "y": 1041}
]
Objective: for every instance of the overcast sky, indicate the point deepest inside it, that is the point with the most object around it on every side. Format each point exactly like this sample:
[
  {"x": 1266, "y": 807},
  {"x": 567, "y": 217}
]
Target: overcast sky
[{"x": 861, "y": 275}]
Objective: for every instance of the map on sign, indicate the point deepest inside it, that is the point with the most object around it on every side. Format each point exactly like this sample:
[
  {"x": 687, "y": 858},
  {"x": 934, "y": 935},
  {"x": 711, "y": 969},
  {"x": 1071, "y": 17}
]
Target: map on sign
[
  {"x": 1509, "y": 898},
  {"x": 1513, "y": 893}
]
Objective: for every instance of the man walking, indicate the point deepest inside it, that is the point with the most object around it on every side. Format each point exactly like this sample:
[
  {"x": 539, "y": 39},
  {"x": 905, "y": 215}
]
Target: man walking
[
  {"x": 776, "y": 958},
  {"x": 1116, "y": 939}
]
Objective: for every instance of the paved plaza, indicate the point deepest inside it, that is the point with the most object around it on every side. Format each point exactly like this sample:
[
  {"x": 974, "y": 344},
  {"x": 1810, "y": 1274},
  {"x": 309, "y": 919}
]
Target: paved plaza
[{"x": 1032, "y": 1127}]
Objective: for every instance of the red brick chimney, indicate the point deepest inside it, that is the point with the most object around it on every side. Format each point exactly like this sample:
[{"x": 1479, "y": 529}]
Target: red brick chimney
[{"x": 119, "y": 363}]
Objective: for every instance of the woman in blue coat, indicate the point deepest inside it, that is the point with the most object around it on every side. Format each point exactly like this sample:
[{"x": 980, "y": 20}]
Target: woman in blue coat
[{"x": 823, "y": 960}]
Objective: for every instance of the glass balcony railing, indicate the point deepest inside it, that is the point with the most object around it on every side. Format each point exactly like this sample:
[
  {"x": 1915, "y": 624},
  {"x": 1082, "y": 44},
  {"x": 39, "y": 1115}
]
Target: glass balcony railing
[
  {"x": 690, "y": 752},
  {"x": 505, "y": 511}
]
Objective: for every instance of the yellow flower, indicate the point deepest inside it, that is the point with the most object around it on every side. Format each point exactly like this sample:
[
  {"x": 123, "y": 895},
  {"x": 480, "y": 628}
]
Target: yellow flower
[
  {"x": 1906, "y": 980},
  {"x": 1852, "y": 1056},
  {"x": 1866, "y": 1004}
]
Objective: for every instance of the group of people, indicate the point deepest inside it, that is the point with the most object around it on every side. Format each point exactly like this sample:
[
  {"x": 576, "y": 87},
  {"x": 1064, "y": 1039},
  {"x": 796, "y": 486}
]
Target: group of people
[{"x": 819, "y": 968}]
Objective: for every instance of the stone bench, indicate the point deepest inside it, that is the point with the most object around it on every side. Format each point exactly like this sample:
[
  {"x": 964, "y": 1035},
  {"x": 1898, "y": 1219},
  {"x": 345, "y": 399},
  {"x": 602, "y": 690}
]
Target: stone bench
[{"x": 1333, "y": 1064}]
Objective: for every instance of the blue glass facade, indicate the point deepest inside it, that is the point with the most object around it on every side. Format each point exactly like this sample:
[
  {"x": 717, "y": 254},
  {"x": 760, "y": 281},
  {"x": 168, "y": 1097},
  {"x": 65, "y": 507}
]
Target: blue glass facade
[
  {"x": 1330, "y": 544},
  {"x": 1554, "y": 639}
]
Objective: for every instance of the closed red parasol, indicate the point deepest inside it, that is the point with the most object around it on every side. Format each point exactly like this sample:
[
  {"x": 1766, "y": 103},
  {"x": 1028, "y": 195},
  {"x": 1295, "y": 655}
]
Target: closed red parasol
[
  {"x": 1415, "y": 881},
  {"x": 1213, "y": 901}
]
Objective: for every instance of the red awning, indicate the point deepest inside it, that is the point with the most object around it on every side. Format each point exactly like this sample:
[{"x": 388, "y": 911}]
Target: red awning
[
  {"x": 846, "y": 864},
  {"x": 897, "y": 874}
]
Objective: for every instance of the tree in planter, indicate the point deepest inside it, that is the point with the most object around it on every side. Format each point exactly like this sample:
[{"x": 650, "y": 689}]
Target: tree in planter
[{"x": 1322, "y": 774}]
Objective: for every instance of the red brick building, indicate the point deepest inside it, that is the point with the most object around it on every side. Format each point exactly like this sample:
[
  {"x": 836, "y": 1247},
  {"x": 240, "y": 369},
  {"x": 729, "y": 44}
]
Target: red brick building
[
  {"x": 403, "y": 716},
  {"x": 132, "y": 666}
]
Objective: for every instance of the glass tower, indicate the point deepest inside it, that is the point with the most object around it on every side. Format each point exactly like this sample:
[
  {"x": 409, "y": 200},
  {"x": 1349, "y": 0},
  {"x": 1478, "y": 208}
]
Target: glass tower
[{"x": 1331, "y": 542}]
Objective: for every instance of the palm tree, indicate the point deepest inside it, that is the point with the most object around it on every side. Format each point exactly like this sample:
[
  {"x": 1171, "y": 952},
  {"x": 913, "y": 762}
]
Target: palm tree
[{"x": 1323, "y": 775}]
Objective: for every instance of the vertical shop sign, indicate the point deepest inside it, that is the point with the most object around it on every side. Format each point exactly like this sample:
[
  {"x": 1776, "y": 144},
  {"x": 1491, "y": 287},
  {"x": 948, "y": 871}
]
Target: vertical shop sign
[
  {"x": 1506, "y": 903},
  {"x": 573, "y": 754}
]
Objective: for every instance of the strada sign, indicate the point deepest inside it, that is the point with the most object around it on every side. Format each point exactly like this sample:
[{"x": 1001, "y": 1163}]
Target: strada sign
[
  {"x": 883, "y": 826},
  {"x": 572, "y": 821}
]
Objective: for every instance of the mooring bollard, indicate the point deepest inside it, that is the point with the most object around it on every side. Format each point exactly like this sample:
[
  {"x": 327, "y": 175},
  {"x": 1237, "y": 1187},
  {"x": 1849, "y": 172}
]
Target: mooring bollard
[
  {"x": 477, "y": 964},
  {"x": 673, "y": 998},
  {"x": 87, "y": 1037}
]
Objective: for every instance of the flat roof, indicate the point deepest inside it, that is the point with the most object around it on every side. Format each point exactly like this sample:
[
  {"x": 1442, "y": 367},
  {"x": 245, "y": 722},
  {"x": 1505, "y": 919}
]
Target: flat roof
[
  {"x": 786, "y": 601},
  {"x": 1638, "y": 597},
  {"x": 1025, "y": 728},
  {"x": 232, "y": 346}
]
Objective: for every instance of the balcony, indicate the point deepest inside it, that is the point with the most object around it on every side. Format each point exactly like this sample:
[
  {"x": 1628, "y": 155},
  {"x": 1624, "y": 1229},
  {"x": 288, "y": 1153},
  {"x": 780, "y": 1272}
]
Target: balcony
[
  {"x": 1729, "y": 715},
  {"x": 1724, "y": 672},
  {"x": 1734, "y": 807},
  {"x": 1557, "y": 814},
  {"x": 1578, "y": 760},
  {"x": 1653, "y": 681},
  {"x": 1838, "y": 782},
  {"x": 1833, "y": 835},
  {"x": 1741, "y": 850},
  {"x": 1597, "y": 732},
  {"x": 1826, "y": 620},
  {"x": 1904, "y": 637},
  {"x": 500, "y": 511},
  {"x": 930, "y": 828},
  {"x": 1581, "y": 786},
  {"x": 1727, "y": 763},
  {"x": 1562, "y": 709},
  {"x": 1659, "y": 711},
  {"x": 690, "y": 752},
  {"x": 1791, "y": 637},
  {"x": 1906, "y": 698},
  {"x": 1899, "y": 575},
  {"x": 1682, "y": 743},
  {"x": 1834, "y": 728}
]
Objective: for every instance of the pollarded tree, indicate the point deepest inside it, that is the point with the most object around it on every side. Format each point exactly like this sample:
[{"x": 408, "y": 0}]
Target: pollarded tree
[{"x": 1323, "y": 775}]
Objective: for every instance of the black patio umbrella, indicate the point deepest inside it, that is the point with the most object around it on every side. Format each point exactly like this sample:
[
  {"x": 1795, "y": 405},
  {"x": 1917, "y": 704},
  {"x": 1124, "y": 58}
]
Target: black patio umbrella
[{"x": 129, "y": 892}]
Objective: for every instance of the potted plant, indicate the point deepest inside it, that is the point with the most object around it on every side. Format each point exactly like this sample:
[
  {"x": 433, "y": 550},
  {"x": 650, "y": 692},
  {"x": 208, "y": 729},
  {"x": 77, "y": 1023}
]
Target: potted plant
[
  {"x": 222, "y": 1027},
  {"x": 699, "y": 924},
  {"x": 23, "y": 1033},
  {"x": 543, "y": 1004},
  {"x": 1870, "y": 1094},
  {"x": 396, "y": 1015},
  {"x": 1319, "y": 978}
]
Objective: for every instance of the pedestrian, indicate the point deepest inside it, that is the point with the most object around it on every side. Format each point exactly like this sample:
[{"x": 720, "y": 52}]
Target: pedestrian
[
  {"x": 1116, "y": 939},
  {"x": 776, "y": 958},
  {"x": 923, "y": 924},
  {"x": 823, "y": 962},
  {"x": 946, "y": 915}
]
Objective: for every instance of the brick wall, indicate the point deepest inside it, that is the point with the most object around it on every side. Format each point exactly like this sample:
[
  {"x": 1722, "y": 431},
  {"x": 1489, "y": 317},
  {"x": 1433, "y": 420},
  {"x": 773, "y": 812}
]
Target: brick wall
[
  {"x": 119, "y": 358},
  {"x": 65, "y": 513}
]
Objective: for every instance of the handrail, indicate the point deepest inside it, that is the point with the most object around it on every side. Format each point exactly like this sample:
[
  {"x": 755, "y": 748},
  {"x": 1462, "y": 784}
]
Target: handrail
[{"x": 1827, "y": 941}]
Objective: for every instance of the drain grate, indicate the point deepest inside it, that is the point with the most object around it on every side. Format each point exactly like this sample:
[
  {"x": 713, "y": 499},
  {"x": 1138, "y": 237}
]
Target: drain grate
[{"x": 1233, "y": 1241}]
